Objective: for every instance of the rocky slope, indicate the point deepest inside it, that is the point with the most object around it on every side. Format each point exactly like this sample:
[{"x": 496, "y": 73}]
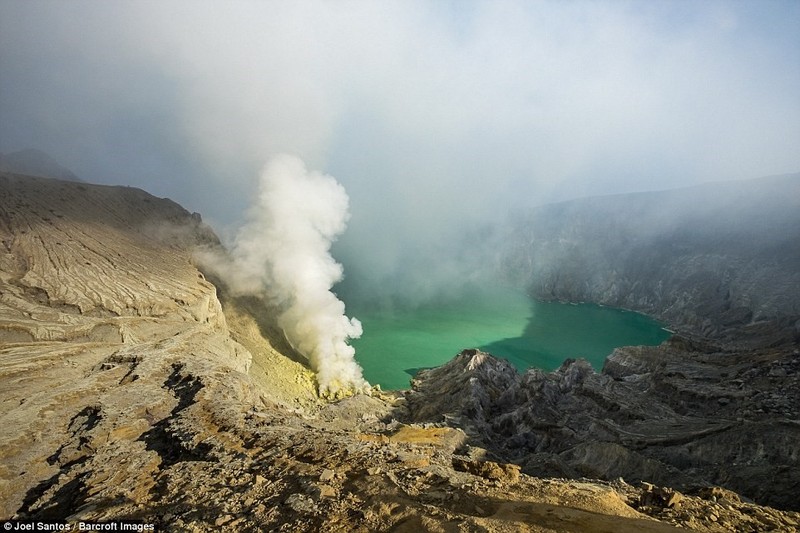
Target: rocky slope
[
  {"x": 711, "y": 259},
  {"x": 680, "y": 415},
  {"x": 717, "y": 404},
  {"x": 133, "y": 388}
]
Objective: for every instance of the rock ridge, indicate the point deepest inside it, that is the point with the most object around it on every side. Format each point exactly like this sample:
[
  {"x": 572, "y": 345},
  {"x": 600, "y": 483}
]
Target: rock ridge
[
  {"x": 658, "y": 414},
  {"x": 717, "y": 261}
]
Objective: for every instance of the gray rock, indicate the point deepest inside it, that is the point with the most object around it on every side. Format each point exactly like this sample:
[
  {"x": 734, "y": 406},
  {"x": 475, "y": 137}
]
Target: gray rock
[{"x": 654, "y": 414}]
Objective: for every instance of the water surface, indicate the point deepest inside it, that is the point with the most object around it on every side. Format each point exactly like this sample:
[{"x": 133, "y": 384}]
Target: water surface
[{"x": 502, "y": 321}]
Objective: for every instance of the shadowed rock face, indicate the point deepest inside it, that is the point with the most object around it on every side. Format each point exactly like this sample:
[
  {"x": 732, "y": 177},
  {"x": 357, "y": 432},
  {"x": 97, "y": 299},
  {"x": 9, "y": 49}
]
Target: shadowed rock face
[
  {"x": 711, "y": 260},
  {"x": 721, "y": 264},
  {"x": 717, "y": 404},
  {"x": 679, "y": 415}
]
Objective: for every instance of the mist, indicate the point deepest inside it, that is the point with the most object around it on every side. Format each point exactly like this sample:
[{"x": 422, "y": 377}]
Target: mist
[
  {"x": 282, "y": 253},
  {"x": 438, "y": 118}
]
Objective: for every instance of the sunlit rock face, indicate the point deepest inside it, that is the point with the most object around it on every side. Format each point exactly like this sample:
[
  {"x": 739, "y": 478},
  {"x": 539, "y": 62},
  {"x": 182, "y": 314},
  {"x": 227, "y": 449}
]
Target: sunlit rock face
[
  {"x": 108, "y": 338},
  {"x": 714, "y": 260},
  {"x": 100, "y": 251}
]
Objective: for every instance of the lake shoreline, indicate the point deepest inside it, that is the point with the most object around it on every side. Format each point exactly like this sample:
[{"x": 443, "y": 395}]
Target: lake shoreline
[{"x": 503, "y": 321}]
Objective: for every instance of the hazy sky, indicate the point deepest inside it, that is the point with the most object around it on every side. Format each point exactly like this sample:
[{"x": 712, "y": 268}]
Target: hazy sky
[{"x": 427, "y": 112}]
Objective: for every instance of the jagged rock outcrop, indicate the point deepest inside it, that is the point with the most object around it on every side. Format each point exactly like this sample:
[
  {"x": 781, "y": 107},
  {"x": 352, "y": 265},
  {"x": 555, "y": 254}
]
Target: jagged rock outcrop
[
  {"x": 716, "y": 404},
  {"x": 710, "y": 259},
  {"x": 678, "y": 415}
]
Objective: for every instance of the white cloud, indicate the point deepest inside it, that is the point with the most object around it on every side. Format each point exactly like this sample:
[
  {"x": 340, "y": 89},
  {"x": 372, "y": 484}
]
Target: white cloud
[{"x": 424, "y": 110}]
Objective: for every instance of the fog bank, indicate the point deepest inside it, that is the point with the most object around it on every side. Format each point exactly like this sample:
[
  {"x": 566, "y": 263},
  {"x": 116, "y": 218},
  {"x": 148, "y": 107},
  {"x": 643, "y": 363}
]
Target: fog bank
[{"x": 437, "y": 117}]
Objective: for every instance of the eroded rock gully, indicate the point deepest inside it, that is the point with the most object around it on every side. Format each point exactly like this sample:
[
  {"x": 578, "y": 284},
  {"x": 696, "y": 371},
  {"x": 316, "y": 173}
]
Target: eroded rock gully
[{"x": 131, "y": 389}]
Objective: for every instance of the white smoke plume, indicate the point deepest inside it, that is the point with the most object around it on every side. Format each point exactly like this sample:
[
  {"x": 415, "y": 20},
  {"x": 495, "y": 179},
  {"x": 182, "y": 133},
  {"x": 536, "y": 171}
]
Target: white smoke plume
[{"x": 283, "y": 250}]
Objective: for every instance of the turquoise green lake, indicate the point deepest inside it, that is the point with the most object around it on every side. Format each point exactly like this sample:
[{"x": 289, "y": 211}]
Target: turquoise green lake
[{"x": 504, "y": 322}]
